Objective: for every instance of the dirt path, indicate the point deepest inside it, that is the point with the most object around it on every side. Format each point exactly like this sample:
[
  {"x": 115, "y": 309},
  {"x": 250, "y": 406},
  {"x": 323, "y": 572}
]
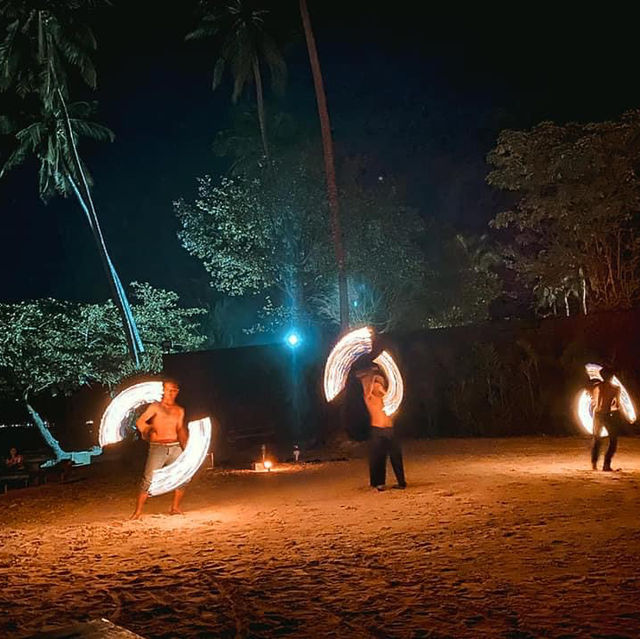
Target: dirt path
[{"x": 493, "y": 538}]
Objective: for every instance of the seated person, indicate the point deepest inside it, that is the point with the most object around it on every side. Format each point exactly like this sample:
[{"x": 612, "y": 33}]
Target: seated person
[{"x": 14, "y": 461}]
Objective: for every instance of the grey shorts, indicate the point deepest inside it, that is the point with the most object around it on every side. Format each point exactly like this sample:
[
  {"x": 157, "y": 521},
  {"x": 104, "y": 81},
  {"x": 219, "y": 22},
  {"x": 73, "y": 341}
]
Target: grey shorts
[{"x": 160, "y": 455}]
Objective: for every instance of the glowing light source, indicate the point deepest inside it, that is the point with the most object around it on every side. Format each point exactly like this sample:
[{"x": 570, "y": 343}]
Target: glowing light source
[
  {"x": 346, "y": 352},
  {"x": 268, "y": 464},
  {"x": 342, "y": 357},
  {"x": 585, "y": 415},
  {"x": 114, "y": 420},
  {"x": 395, "y": 392},
  {"x": 113, "y": 429},
  {"x": 293, "y": 339},
  {"x": 174, "y": 475}
]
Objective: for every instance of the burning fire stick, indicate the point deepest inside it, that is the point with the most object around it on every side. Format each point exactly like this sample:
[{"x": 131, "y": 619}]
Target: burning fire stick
[
  {"x": 348, "y": 349},
  {"x": 585, "y": 416}
]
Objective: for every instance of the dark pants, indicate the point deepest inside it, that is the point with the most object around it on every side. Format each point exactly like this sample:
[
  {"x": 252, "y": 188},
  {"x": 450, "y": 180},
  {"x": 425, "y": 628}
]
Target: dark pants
[
  {"x": 384, "y": 442},
  {"x": 608, "y": 421}
]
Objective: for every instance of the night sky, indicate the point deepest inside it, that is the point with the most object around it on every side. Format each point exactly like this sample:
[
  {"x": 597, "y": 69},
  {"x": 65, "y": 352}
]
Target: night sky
[{"x": 421, "y": 93}]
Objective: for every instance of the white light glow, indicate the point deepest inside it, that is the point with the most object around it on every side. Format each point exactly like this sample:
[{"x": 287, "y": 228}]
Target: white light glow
[
  {"x": 395, "y": 392},
  {"x": 114, "y": 420},
  {"x": 174, "y": 475},
  {"x": 585, "y": 416},
  {"x": 342, "y": 357},
  {"x": 346, "y": 352}
]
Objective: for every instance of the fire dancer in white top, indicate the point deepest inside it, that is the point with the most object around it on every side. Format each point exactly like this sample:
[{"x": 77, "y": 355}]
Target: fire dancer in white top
[{"x": 162, "y": 424}]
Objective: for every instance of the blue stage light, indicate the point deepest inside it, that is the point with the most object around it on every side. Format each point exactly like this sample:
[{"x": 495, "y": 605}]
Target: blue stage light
[{"x": 293, "y": 339}]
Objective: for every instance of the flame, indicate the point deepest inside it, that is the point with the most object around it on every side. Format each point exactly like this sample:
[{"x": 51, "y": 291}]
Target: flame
[
  {"x": 395, "y": 392},
  {"x": 174, "y": 475},
  {"x": 342, "y": 357},
  {"x": 346, "y": 352},
  {"x": 583, "y": 410},
  {"x": 114, "y": 419},
  {"x": 585, "y": 415}
]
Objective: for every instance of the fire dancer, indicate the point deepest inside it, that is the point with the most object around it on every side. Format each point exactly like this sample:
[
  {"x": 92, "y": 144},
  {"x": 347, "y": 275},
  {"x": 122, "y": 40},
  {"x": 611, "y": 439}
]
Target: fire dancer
[
  {"x": 162, "y": 424},
  {"x": 383, "y": 438},
  {"x": 605, "y": 403}
]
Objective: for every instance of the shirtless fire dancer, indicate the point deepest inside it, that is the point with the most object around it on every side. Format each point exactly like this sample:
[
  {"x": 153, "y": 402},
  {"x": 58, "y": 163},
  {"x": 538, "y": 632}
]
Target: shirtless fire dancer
[
  {"x": 605, "y": 403},
  {"x": 383, "y": 438},
  {"x": 162, "y": 424}
]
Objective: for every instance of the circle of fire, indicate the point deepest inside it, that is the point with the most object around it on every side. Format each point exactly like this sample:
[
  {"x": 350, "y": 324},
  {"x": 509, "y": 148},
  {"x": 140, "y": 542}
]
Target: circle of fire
[
  {"x": 114, "y": 423},
  {"x": 585, "y": 414},
  {"x": 354, "y": 344}
]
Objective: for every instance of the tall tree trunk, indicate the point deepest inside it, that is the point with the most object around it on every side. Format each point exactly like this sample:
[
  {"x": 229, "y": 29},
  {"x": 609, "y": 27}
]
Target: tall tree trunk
[
  {"x": 83, "y": 195},
  {"x": 257, "y": 77},
  {"x": 329, "y": 165},
  {"x": 583, "y": 289}
]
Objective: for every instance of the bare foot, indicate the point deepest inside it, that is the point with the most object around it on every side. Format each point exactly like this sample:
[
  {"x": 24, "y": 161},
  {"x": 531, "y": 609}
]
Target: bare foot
[
  {"x": 135, "y": 515},
  {"x": 176, "y": 511}
]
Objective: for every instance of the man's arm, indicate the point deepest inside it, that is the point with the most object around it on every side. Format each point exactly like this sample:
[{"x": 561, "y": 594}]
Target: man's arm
[
  {"x": 595, "y": 394},
  {"x": 367, "y": 386},
  {"x": 377, "y": 387},
  {"x": 142, "y": 423},
  {"x": 617, "y": 398},
  {"x": 182, "y": 431}
]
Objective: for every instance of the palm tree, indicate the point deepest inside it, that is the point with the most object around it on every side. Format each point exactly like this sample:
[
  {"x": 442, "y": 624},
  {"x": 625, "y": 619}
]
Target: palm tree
[
  {"x": 41, "y": 38},
  {"x": 329, "y": 165},
  {"x": 244, "y": 42}
]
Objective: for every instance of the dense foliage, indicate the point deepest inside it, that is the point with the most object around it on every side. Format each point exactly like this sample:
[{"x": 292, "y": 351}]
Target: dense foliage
[
  {"x": 55, "y": 346},
  {"x": 572, "y": 234},
  {"x": 265, "y": 232}
]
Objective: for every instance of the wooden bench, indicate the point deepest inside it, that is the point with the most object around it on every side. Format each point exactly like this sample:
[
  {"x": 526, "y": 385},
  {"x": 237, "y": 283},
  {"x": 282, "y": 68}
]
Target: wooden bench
[{"x": 15, "y": 477}]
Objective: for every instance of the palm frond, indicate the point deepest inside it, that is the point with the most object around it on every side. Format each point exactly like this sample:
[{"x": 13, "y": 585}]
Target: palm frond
[
  {"x": 31, "y": 135},
  {"x": 242, "y": 73},
  {"x": 7, "y": 125},
  {"x": 275, "y": 62},
  {"x": 92, "y": 130},
  {"x": 74, "y": 54},
  {"x": 84, "y": 35},
  {"x": 17, "y": 157}
]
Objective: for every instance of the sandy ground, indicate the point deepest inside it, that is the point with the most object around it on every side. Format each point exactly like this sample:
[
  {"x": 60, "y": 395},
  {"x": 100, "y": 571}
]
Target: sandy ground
[{"x": 493, "y": 538}]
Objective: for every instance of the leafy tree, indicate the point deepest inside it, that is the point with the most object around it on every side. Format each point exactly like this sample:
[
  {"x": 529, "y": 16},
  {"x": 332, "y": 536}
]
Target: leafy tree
[
  {"x": 572, "y": 234},
  {"x": 259, "y": 233},
  {"x": 241, "y": 31},
  {"x": 43, "y": 42},
  {"x": 462, "y": 280},
  {"x": 265, "y": 235},
  {"x": 52, "y": 346}
]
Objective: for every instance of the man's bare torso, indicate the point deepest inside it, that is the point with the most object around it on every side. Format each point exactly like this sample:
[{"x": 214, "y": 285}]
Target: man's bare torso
[
  {"x": 374, "y": 393},
  {"x": 164, "y": 425},
  {"x": 605, "y": 397}
]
